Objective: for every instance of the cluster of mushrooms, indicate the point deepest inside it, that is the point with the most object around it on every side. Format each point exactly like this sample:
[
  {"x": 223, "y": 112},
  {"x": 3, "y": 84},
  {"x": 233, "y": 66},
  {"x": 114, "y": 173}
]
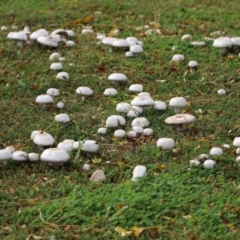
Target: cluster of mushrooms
[{"x": 57, "y": 156}]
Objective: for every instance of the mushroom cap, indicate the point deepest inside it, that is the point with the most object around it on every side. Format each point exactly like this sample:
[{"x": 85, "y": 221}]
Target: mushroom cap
[
  {"x": 19, "y": 156},
  {"x": 136, "y": 88},
  {"x": 177, "y": 57},
  {"x": 70, "y": 32},
  {"x": 117, "y": 77},
  {"x": 39, "y": 33},
  {"x": 186, "y": 37},
  {"x": 140, "y": 121},
  {"x": 110, "y": 92},
  {"x": 54, "y": 155},
  {"x": 138, "y": 172},
  {"x": 147, "y": 132},
  {"x": 177, "y": 102},
  {"x": 236, "y": 41},
  {"x": 108, "y": 40},
  {"x": 60, "y": 105},
  {"x": 62, "y": 76},
  {"x": 56, "y": 66},
  {"x": 54, "y": 56},
  {"x": 62, "y": 118},
  {"x": 119, "y": 133},
  {"x": 198, "y": 43},
  {"x": 123, "y": 107},
  {"x": 98, "y": 175},
  {"x": 216, "y": 151},
  {"x": 18, "y": 36},
  {"x": 142, "y": 100},
  {"x": 193, "y": 63},
  {"x": 84, "y": 91},
  {"x": 221, "y": 91},
  {"x": 114, "y": 121},
  {"x": 209, "y": 163},
  {"x": 236, "y": 142},
  {"x": 48, "y": 41},
  {"x": 44, "y": 98},
  {"x": 102, "y": 130},
  {"x": 70, "y": 43},
  {"x": 180, "y": 119},
  {"x": 43, "y": 139},
  {"x": 89, "y": 146},
  {"x": 194, "y": 163},
  {"x": 166, "y": 143},
  {"x": 135, "y": 49},
  {"x": 33, "y": 157},
  {"x": 160, "y": 105},
  {"x": 222, "y": 42},
  {"x": 120, "y": 43},
  {"x": 67, "y": 146},
  {"x": 5, "y": 154},
  {"x": 53, "y": 92}
]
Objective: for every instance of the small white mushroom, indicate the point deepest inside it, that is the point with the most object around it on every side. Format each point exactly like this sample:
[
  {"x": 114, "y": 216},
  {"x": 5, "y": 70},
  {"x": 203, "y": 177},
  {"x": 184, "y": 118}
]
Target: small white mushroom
[
  {"x": 165, "y": 143},
  {"x": 97, "y": 176},
  {"x": 177, "y": 103},
  {"x": 84, "y": 91},
  {"x": 115, "y": 121},
  {"x": 138, "y": 172},
  {"x": 209, "y": 163},
  {"x": 110, "y": 92},
  {"x": 62, "y": 118},
  {"x": 117, "y": 77},
  {"x": 194, "y": 163},
  {"x": 216, "y": 151}
]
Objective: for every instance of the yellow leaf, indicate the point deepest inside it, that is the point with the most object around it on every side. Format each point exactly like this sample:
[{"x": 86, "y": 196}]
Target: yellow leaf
[
  {"x": 96, "y": 160},
  {"x": 137, "y": 231},
  {"x": 122, "y": 231}
]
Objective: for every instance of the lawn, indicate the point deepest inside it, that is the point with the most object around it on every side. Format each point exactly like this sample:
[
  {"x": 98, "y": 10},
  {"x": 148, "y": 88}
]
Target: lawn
[{"x": 172, "y": 200}]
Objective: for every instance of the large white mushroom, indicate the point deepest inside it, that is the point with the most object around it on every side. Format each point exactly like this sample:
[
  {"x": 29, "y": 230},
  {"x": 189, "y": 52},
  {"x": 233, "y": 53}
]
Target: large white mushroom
[
  {"x": 55, "y": 157},
  {"x": 180, "y": 120}
]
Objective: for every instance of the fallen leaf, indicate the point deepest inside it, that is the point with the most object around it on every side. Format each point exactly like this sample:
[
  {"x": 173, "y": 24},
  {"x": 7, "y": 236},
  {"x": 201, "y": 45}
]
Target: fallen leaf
[
  {"x": 137, "y": 231},
  {"x": 122, "y": 231}
]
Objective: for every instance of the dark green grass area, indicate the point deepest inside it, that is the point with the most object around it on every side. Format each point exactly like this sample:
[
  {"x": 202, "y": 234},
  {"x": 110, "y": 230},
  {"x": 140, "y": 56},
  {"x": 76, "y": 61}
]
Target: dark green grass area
[{"x": 171, "y": 202}]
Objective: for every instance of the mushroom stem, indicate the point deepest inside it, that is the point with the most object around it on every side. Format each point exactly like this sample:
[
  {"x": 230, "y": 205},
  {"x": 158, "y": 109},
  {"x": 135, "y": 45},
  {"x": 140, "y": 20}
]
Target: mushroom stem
[
  {"x": 20, "y": 44},
  {"x": 224, "y": 52},
  {"x": 181, "y": 127},
  {"x": 177, "y": 110}
]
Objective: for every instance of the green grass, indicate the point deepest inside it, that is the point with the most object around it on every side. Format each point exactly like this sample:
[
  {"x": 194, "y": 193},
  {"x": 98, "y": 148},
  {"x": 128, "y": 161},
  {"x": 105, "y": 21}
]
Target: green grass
[{"x": 171, "y": 202}]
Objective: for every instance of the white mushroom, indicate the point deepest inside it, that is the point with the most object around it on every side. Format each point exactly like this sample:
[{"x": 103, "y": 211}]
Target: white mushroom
[
  {"x": 117, "y": 77},
  {"x": 180, "y": 120},
  {"x": 138, "y": 172},
  {"x": 223, "y": 43},
  {"x": 177, "y": 103},
  {"x": 43, "y": 139},
  {"x": 115, "y": 121},
  {"x": 97, "y": 176},
  {"x": 209, "y": 163},
  {"x": 62, "y": 118},
  {"x": 5, "y": 154},
  {"x": 110, "y": 92},
  {"x": 165, "y": 143},
  {"x": 84, "y": 91},
  {"x": 54, "y": 156}
]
